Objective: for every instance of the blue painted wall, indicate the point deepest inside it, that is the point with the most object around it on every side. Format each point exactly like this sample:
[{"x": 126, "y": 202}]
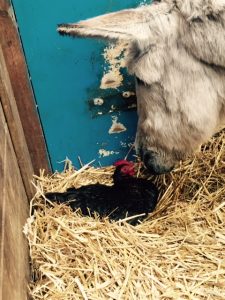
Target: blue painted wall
[{"x": 65, "y": 74}]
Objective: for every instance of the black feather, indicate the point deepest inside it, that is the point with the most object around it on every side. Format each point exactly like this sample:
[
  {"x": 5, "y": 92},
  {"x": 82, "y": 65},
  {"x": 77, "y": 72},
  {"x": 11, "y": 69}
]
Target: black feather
[{"x": 128, "y": 197}]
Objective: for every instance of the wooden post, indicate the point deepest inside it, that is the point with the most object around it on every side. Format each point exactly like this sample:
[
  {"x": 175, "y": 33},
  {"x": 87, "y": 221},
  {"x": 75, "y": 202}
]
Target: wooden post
[
  {"x": 14, "y": 259},
  {"x": 18, "y": 75},
  {"x": 15, "y": 128},
  {"x": 15, "y": 189},
  {"x": 22, "y": 153}
]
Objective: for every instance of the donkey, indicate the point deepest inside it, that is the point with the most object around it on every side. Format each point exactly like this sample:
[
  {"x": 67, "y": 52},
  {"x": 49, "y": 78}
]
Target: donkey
[{"x": 176, "y": 51}]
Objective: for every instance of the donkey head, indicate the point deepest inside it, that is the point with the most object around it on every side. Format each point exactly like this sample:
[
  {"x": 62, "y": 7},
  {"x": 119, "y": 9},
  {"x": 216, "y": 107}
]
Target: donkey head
[{"x": 176, "y": 52}]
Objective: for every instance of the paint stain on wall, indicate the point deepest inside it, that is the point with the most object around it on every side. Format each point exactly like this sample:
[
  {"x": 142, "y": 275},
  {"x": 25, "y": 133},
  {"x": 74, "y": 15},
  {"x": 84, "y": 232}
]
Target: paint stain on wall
[
  {"x": 114, "y": 56},
  {"x": 105, "y": 153},
  {"x": 116, "y": 127}
]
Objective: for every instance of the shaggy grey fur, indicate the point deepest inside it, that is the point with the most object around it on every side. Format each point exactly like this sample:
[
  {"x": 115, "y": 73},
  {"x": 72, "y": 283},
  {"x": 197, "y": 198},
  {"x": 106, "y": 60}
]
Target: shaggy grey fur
[{"x": 177, "y": 52}]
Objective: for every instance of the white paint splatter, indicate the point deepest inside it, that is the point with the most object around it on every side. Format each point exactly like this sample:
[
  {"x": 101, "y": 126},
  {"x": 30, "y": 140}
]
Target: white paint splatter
[
  {"x": 126, "y": 145},
  {"x": 128, "y": 94},
  {"x": 116, "y": 127},
  {"x": 123, "y": 144},
  {"x": 98, "y": 101},
  {"x": 106, "y": 153},
  {"x": 114, "y": 56}
]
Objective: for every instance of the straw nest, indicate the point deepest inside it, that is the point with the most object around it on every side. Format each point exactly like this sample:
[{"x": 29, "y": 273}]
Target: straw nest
[{"x": 177, "y": 253}]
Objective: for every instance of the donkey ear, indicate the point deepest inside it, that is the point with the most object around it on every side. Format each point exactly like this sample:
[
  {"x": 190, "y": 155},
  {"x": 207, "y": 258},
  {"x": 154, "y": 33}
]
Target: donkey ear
[
  {"x": 126, "y": 24},
  {"x": 119, "y": 25}
]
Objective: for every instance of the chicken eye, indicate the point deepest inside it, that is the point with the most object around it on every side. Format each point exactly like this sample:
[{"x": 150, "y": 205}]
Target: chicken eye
[{"x": 124, "y": 170}]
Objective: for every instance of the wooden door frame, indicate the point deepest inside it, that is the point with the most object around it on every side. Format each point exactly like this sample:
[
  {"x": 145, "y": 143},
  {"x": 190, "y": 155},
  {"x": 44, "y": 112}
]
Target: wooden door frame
[{"x": 18, "y": 73}]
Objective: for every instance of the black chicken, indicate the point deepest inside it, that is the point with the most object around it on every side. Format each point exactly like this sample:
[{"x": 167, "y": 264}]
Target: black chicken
[{"x": 129, "y": 196}]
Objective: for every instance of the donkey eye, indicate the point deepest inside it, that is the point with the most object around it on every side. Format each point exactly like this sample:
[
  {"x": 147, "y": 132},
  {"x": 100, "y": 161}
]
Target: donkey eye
[
  {"x": 196, "y": 20},
  {"x": 211, "y": 17}
]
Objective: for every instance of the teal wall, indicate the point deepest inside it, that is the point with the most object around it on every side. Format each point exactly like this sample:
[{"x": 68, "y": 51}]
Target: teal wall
[{"x": 66, "y": 75}]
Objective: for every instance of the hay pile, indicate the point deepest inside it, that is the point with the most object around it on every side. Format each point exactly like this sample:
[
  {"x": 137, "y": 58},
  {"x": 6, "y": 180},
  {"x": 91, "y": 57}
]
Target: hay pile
[{"x": 178, "y": 253}]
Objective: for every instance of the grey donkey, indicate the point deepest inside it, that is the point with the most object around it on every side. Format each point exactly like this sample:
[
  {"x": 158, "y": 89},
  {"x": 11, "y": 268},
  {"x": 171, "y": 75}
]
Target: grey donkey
[{"x": 176, "y": 51}]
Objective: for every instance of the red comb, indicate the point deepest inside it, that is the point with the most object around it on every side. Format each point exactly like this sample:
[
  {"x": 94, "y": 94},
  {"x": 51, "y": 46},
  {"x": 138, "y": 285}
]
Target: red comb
[{"x": 123, "y": 162}]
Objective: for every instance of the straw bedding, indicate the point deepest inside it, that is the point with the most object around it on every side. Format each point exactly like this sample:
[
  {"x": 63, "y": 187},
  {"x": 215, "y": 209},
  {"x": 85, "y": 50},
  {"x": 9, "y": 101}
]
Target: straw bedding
[{"x": 177, "y": 253}]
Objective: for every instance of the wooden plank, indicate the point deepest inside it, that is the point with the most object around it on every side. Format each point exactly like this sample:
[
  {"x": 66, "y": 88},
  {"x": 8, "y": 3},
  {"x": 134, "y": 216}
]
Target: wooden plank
[
  {"x": 14, "y": 264},
  {"x": 18, "y": 74},
  {"x": 15, "y": 127}
]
